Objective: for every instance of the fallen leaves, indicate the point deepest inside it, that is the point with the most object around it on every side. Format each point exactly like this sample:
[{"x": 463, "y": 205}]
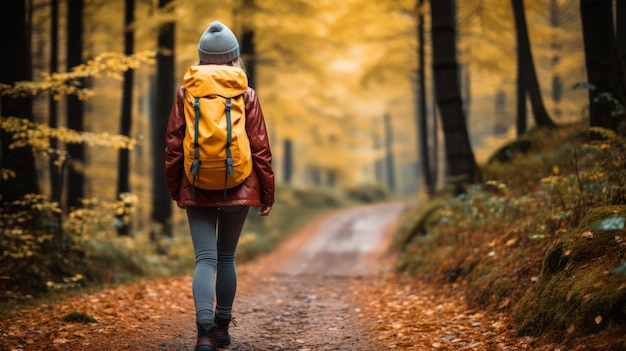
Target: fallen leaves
[
  {"x": 107, "y": 317},
  {"x": 410, "y": 315},
  {"x": 587, "y": 235}
]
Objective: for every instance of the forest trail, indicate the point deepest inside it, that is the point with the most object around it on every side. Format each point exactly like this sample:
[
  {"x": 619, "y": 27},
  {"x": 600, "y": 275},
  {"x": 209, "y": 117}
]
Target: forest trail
[{"x": 328, "y": 287}]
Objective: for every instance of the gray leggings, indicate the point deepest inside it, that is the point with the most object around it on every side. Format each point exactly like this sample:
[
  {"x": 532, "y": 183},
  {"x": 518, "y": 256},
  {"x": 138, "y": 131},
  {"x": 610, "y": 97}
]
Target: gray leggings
[{"x": 215, "y": 243}]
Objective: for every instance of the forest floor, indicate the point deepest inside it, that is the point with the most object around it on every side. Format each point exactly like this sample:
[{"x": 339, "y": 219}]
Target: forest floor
[{"x": 329, "y": 287}]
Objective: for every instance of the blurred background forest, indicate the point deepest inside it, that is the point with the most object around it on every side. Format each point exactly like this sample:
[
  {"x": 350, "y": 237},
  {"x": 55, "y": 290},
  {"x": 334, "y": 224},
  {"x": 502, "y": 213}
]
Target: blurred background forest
[{"x": 364, "y": 101}]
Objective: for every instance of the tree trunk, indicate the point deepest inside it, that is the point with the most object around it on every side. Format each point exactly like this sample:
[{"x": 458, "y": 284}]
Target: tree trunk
[
  {"x": 161, "y": 202},
  {"x": 502, "y": 116},
  {"x": 556, "y": 79},
  {"x": 461, "y": 164},
  {"x": 520, "y": 93},
  {"x": 379, "y": 166},
  {"x": 53, "y": 114},
  {"x": 422, "y": 112},
  {"x": 14, "y": 32},
  {"x": 288, "y": 163},
  {"x": 620, "y": 33},
  {"x": 123, "y": 185},
  {"x": 248, "y": 56},
  {"x": 467, "y": 91},
  {"x": 603, "y": 64},
  {"x": 389, "y": 157},
  {"x": 529, "y": 74},
  {"x": 434, "y": 160},
  {"x": 75, "y": 107},
  {"x": 246, "y": 39}
]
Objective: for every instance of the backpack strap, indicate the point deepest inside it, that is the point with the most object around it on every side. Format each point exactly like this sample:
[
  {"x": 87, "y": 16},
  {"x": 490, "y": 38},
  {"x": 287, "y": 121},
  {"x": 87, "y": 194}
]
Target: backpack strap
[
  {"x": 196, "y": 147},
  {"x": 229, "y": 138}
]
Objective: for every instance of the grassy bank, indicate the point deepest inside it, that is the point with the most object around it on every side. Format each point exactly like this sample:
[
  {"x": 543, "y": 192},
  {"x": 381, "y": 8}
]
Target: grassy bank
[{"x": 542, "y": 238}]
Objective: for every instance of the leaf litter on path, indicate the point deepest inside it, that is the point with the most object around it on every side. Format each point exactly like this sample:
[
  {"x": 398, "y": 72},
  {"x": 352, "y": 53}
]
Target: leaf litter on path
[{"x": 278, "y": 311}]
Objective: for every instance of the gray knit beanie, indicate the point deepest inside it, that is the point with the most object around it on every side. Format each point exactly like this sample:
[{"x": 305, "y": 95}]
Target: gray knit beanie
[{"x": 218, "y": 45}]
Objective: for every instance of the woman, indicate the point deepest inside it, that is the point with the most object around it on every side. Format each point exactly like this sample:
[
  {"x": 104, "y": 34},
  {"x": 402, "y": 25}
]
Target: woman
[{"x": 215, "y": 274}]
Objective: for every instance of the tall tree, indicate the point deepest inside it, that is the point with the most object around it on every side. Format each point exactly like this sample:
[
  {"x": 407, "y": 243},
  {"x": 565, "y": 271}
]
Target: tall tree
[
  {"x": 75, "y": 106},
  {"x": 247, "y": 43},
  {"x": 288, "y": 161},
  {"x": 527, "y": 73},
  {"x": 620, "y": 32},
  {"x": 556, "y": 79},
  {"x": 123, "y": 184},
  {"x": 161, "y": 204},
  {"x": 53, "y": 115},
  {"x": 461, "y": 164},
  {"x": 389, "y": 154},
  {"x": 434, "y": 163},
  {"x": 15, "y": 34},
  {"x": 520, "y": 94},
  {"x": 522, "y": 72},
  {"x": 422, "y": 108},
  {"x": 604, "y": 71}
]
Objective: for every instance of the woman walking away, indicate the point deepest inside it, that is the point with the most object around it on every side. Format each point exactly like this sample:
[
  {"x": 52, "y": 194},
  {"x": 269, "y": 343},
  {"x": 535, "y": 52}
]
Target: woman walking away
[{"x": 216, "y": 217}]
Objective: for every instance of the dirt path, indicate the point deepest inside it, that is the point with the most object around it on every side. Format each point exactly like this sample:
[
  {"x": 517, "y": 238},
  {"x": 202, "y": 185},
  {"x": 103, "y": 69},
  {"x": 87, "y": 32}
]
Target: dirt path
[
  {"x": 302, "y": 299},
  {"x": 324, "y": 289}
]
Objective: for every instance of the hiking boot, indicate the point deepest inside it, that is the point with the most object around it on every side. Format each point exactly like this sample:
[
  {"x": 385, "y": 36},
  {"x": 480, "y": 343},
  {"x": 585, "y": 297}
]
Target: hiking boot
[
  {"x": 222, "y": 337},
  {"x": 206, "y": 337}
]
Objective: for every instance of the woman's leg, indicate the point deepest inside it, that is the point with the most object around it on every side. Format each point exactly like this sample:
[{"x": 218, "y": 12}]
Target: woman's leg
[
  {"x": 230, "y": 222},
  {"x": 202, "y": 224}
]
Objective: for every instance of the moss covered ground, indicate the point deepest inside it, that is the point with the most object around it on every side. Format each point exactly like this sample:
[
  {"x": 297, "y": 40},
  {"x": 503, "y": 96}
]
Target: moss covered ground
[{"x": 542, "y": 238}]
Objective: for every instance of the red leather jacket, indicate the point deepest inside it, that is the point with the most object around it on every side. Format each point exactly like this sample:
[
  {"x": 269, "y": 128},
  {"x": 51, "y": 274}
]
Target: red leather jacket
[{"x": 256, "y": 190}]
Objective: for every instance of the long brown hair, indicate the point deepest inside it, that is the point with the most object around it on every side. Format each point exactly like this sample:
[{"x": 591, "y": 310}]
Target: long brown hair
[{"x": 238, "y": 62}]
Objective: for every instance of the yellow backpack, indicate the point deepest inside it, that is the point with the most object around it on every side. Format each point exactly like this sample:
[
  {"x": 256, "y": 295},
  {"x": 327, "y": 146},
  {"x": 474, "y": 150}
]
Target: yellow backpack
[{"x": 216, "y": 146}]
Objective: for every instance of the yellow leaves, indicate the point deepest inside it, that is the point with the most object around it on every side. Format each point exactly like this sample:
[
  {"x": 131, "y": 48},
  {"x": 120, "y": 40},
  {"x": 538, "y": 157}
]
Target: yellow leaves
[
  {"x": 20, "y": 245},
  {"x": 97, "y": 213},
  {"x": 6, "y": 174},
  {"x": 593, "y": 175},
  {"x": 604, "y": 132},
  {"x": 68, "y": 282},
  {"x": 550, "y": 180},
  {"x": 38, "y": 135},
  {"x": 109, "y": 64}
]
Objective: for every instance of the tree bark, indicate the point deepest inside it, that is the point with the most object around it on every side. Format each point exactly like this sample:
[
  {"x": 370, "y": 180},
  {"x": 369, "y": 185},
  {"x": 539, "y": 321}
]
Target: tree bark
[
  {"x": 389, "y": 156},
  {"x": 620, "y": 33},
  {"x": 556, "y": 79},
  {"x": 247, "y": 41},
  {"x": 288, "y": 162},
  {"x": 603, "y": 65},
  {"x": 161, "y": 203},
  {"x": 529, "y": 74},
  {"x": 14, "y": 31},
  {"x": 123, "y": 168},
  {"x": 434, "y": 160},
  {"x": 520, "y": 93},
  {"x": 422, "y": 112},
  {"x": 75, "y": 107},
  {"x": 53, "y": 114},
  {"x": 462, "y": 168}
]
